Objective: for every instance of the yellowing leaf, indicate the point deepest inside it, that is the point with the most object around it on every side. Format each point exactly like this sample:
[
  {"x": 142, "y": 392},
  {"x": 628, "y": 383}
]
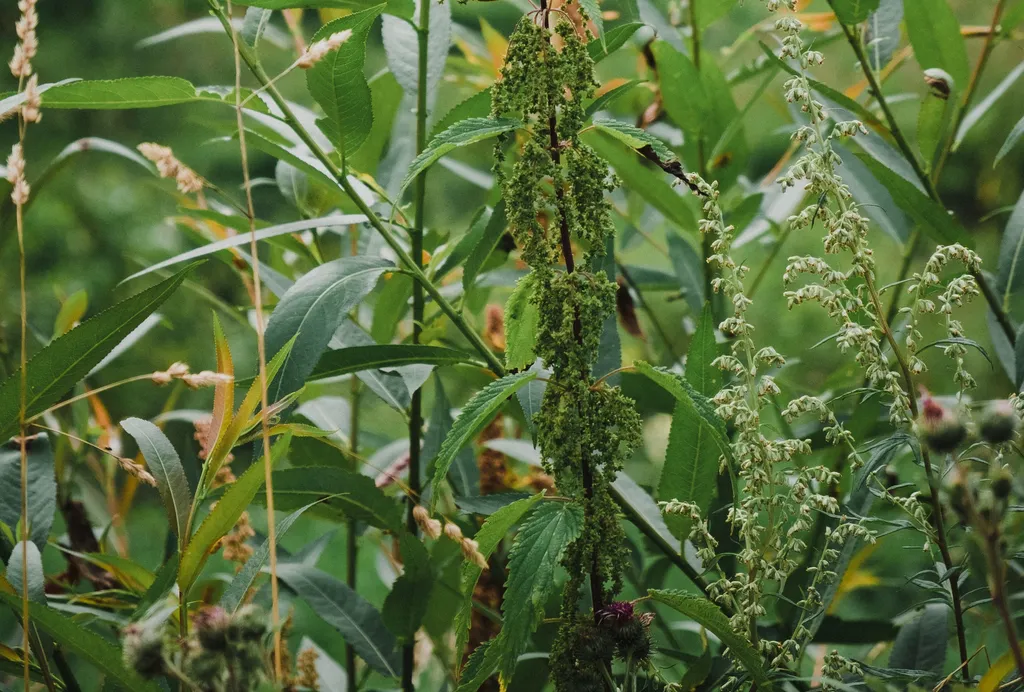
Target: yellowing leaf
[{"x": 856, "y": 577}]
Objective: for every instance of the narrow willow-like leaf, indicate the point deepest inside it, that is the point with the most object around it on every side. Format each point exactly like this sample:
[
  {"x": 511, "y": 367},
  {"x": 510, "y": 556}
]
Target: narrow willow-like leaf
[
  {"x": 521, "y": 319},
  {"x": 875, "y": 201},
  {"x": 90, "y": 646},
  {"x": 42, "y": 487},
  {"x": 311, "y": 313},
  {"x": 705, "y": 377},
  {"x": 635, "y": 138},
  {"x": 335, "y": 220},
  {"x": 342, "y": 608},
  {"x": 682, "y": 93},
  {"x": 223, "y": 517},
  {"x": 338, "y": 84},
  {"x": 164, "y": 464},
  {"x": 483, "y": 245},
  {"x": 931, "y": 217},
  {"x": 350, "y": 359},
  {"x": 235, "y": 592},
  {"x": 460, "y": 134},
  {"x": 127, "y": 93},
  {"x": 402, "y": 48},
  {"x": 979, "y": 111},
  {"x": 707, "y": 614},
  {"x": 1011, "y": 141},
  {"x": 853, "y": 11},
  {"x": 65, "y": 361},
  {"x": 472, "y": 419},
  {"x": 640, "y": 508},
  {"x": 346, "y": 495},
  {"x": 464, "y": 474},
  {"x": 883, "y": 33},
  {"x": 161, "y": 585},
  {"x": 689, "y": 269},
  {"x": 494, "y": 530},
  {"x": 934, "y": 32}
]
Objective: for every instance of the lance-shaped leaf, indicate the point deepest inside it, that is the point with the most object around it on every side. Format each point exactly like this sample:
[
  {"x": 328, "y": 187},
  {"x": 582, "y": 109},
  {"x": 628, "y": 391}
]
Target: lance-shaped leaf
[
  {"x": 482, "y": 245},
  {"x": 342, "y": 608},
  {"x": 349, "y": 495},
  {"x": 535, "y": 555},
  {"x": 350, "y": 359},
  {"x": 164, "y": 464},
  {"x": 1011, "y": 140},
  {"x": 635, "y": 138},
  {"x": 707, "y": 614},
  {"x": 224, "y": 516},
  {"x": 464, "y": 473},
  {"x": 65, "y": 361},
  {"x": 934, "y": 32},
  {"x": 1011, "y": 254},
  {"x": 494, "y": 530},
  {"x": 921, "y": 644},
  {"x": 700, "y": 371},
  {"x": 338, "y": 84},
  {"x": 93, "y": 648},
  {"x": 312, "y": 310},
  {"x": 131, "y": 92},
  {"x": 42, "y": 487},
  {"x": 460, "y": 134},
  {"x": 472, "y": 419},
  {"x": 16, "y": 571}
]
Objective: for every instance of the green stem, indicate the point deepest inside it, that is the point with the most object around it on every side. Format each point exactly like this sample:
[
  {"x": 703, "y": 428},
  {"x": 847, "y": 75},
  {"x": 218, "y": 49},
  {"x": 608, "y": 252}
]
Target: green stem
[
  {"x": 351, "y": 543},
  {"x": 416, "y": 405},
  {"x": 405, "y": 259}
]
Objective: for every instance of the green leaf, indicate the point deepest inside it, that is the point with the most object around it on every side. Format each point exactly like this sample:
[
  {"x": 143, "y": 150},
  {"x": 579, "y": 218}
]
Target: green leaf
[
  {"x": 402, "y": 45},
  {"x": 490, "y": 535},
  {"x": 312, "y": 310},
  {"x": 351, "y": 359},
  {"x": 883, "y": 33},
  {"x": 635, "y": 138},
  {"x": 16, "y": 570},
  {"x": 338, "y": 85},
  {"x": 356, "y": 620},
  {"x": 224, "y": 516},
  {"x": 874, "y": 200},
  {"x": 405, "y": 606},
  {"x": 71, "y": 311},
  {"x": 464, "y": 474},
  {"x": 682, "y": 390},
  {"x": 460, "y": 134},
  {"x": 482, "y": 664},
  {"x": 163, "y": 462},
  {"x": 932, "y": 122},
  {"x": 705, "y": 377},
  {"x": 1011, "y": 141},
  {"x": 921, "y": 644},
  {"x": 532, "y": 562},
  {"x": 682, "y": 91},
  {"x": 934, "y": 32},
  {"x": 707, "y": 614},
  {"x": 593, "y": 13},
  {"x": 641, "y": 510},
  {"x": 853, "y": 11},
  {"x": 346, "y": 494},
  {"x": 400, "y": 8},
  {"x": 691, "y": 465},
  {"x": 131, "y": 92},
  {"x": 931, "y": 217},
  {"x": 42, "y": 487},
  {"x": 60, "y": 365},
  {"x": 609, "y": 96},
  {"x": 235, "y": 592},
  {"x": 90, "y": 646},
  {"x": 1011, "y": 255},
  {"x": 390, "y": 386},
  {"x": 649, "y": 184},
  {"x": 979, "y": 111},
  {"x": 474, "y": 416},
  {"x": 521, "y": 319},
  {"x": 999, "y": 670},
  {"x": 160, "y": 587},
  {"x": 689, "y": 269},
  {"x": 491, "y": 233},
  {"x": 476, "y": 106},
  {"x": 613, "y": 40}
]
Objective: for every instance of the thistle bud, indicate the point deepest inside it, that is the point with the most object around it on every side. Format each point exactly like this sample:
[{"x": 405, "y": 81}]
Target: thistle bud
[
  {"x": 143, "y": 650},
  {"x": 249, "y": 623},
  {"x": 1002, "y": 484},
  {"x": 941, "y": 429},
  {"x": 999, "y": 422},
  {"x": 212, "y": 628}
]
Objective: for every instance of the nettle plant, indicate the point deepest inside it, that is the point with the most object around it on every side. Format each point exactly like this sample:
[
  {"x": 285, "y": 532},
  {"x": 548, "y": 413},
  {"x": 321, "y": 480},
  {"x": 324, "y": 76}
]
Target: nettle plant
[{"x": 506, "y": 546}]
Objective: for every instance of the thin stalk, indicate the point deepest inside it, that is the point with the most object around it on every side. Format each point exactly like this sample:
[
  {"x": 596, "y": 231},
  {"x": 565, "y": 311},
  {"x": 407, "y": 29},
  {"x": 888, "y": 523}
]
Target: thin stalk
[
  {"x": 351, "y": 543},
  {"x": 275, "y": 615},
  {"x": 651, "y": 314},
  {"x": 853, "y": 38},
  {"x": 997, "y": 587},
  {"x": 405, "y": 259},
  {"x": 416, "y": 234}
]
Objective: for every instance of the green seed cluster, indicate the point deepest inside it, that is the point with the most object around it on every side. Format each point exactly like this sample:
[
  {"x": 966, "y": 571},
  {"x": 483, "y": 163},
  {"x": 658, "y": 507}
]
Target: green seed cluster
[{"x": 555, "y": 198}]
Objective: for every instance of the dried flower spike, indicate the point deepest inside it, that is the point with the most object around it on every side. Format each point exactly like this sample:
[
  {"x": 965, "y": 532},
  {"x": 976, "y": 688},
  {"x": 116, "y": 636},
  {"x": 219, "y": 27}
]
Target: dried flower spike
[
  {"x": 136, "y": 470},
  {"x": 168, "y": 166},
  {"x": 28, "y": 43},
  {"x": 431, "y": 528}
]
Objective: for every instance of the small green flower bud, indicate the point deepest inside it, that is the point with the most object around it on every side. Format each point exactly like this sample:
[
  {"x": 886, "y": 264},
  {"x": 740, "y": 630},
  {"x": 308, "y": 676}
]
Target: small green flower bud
[
  {"x": 999, "y": 422},
  {"x": 941, "y": 429}
]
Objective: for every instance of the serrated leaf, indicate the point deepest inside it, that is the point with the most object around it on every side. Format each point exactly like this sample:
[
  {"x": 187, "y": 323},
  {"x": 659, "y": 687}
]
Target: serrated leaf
[
  {"x": 60, "y": 365},
  {"x": 161, "y": 585},
  {"x": 853, "y": 11},
  {"x": 311, "y": 312},
  {"x": 613, "y": 40},
  {"x": 474, "y": 416},
  {"x": 641, "y": 509},
  {"x": 933, "y": 220},
  {"x": 934, "y": 32},
  {"x": 224, "y": 516},
  {"x": 348, "y": 612},
  {"x": 635, "y": 138},
  {"x": 90, "y": 646},
  {"x": 535, "y": 555},
  {"x": 350, "y": 359},
  {"x": 490, "y": 535},
  {"x": 346, "y": 494},
  {"x": 691, "y": 465},
  {"x": 338, "y": 85},
  {"x": 521, "y": 319},
  {"x": 705, "y": 377},
  {"x": 164, "y": 464},
  {"x": 921, "y": 644},
  {"x": 710, "y": 616},
  {"x": 404, "y": 607},
  {"x": 127, "y": 93},
  {"x": 882, "y": 36},
  {"x": 464, "y": 474},
  {"x": 42, "y": 487},
  {"x": 460, "y": 134}
]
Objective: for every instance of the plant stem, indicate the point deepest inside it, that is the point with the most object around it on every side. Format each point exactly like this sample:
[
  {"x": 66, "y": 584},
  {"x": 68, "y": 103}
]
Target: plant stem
[
  {"x": 351, "y": 543},
  {"x": 404, "y": 258},
  {"x": 275, "y": 615},
  {"x": 416, "y": 234},
  {"x": 651, "y": 313},
  {"x": 903, "y": 143},
  {"x": 997, "y": 587}
]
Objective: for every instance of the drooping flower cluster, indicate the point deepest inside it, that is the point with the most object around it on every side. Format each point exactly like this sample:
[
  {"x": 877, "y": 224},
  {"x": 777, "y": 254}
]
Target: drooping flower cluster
[
  {"x": 555, "y": 198},
  {"x": 433, "y": 529},
  {"x": 168, "y": 166}
]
